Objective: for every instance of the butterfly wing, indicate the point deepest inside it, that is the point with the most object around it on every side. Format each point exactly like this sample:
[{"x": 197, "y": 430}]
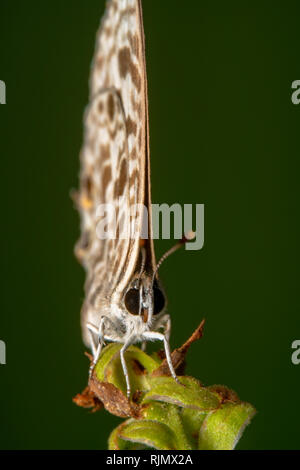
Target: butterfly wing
[{"x": 114, "y": 158}]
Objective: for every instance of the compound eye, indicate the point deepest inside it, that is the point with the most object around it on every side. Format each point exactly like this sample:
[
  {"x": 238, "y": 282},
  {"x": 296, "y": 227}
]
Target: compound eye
[
  {"x": 132, "y": 301},
  {"x": 159, "y": 300}
]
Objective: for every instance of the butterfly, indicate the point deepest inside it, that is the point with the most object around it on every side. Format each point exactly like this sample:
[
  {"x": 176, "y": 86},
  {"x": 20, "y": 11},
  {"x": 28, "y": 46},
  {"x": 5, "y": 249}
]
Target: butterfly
[{"x": 124, "y": 300}]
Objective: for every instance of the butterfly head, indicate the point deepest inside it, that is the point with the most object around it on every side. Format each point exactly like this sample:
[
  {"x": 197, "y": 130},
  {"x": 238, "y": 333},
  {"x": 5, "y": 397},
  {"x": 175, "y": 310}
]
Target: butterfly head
[{"x": 145, "y": 298}]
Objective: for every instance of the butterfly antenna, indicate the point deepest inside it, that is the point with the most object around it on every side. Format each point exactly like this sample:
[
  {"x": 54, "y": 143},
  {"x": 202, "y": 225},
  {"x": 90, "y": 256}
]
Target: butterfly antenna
[
  {"x": 187, "y": 237},
  {"x": 143, "y": 262}
]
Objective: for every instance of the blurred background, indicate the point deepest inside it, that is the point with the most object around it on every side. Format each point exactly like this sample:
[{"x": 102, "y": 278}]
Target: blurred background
[{"x": 224, "y": 133}]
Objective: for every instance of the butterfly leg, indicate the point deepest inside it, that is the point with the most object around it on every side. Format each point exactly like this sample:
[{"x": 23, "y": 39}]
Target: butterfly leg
[
  {"x": 153, "y": 335},
  {"x": 92, "y": 330},
  {"x": 96, "y": 348},
  {"x": 124, "y": 366}
]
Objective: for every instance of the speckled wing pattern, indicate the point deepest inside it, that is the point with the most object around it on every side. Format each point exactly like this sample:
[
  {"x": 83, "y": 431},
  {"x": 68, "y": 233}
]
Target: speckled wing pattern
[{"x": 115, "y": 155}]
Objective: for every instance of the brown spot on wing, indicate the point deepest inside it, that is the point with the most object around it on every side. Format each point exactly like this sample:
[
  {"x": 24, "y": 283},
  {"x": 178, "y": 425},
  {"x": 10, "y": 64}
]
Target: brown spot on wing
[
  {"x": 105, "y": 152},
  {"x": 106, "y": 178},
  {"x": 133, "y": 178},
  {"x": 100, "y": 107},
  {"x": 136, "y": 106},
  {"x": 131, "y": 126},
  {"x": 110, "y": 244},
  {"x": 88, "y": 185},
  {"x": 121, "y": 182},
  {"x": 110, "y": 107},
  {"x": 127, "y": 66}
]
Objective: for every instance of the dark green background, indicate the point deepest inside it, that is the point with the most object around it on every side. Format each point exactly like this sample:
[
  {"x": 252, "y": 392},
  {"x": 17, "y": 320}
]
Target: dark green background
[{"x": 224, "y": 133}]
